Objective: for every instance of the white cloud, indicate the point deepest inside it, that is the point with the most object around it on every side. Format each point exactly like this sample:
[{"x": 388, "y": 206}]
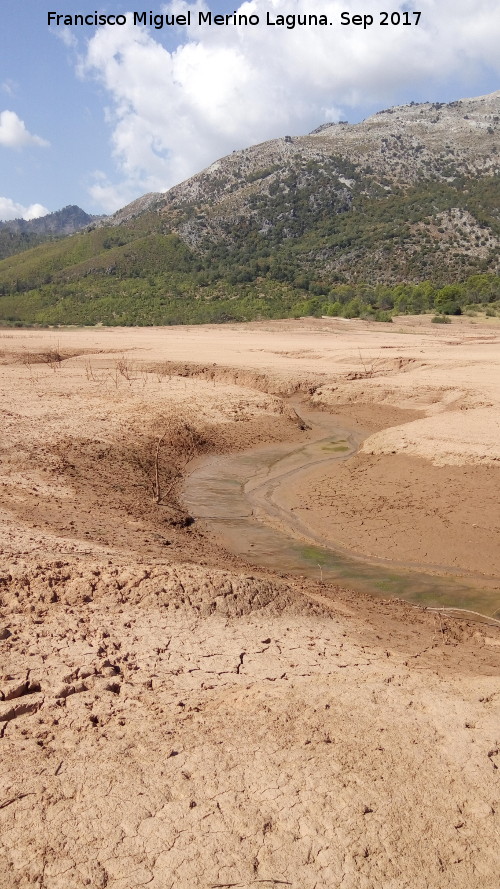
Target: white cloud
[
  {"x": 13, "y": 132},
  {"x": 173, "y": 113},
  {"x": 35, "y": 211},
  {"x": 66, "y": 36},
  {"x": 9, "y": 209},
  {"x": 9, "y": 86},
  {"x": 109, "y": 196}
]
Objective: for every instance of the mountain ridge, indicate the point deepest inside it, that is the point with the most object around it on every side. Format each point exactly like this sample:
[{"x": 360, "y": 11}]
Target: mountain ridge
[
  {"x": 17, "y": 235},
  {"x": 355, "y": 219},
  {"x": 473, "y": 122}
]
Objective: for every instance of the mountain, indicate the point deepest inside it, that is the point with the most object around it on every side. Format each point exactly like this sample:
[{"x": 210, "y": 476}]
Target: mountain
[
  {"x": 21, "y": 234},
  {"x": 397, "y": 213},
  {"x": 398, "y": 147}
]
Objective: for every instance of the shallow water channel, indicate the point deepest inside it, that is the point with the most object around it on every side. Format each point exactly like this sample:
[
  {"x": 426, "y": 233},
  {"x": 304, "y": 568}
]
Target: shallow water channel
[{"x": 238, "y": 498}]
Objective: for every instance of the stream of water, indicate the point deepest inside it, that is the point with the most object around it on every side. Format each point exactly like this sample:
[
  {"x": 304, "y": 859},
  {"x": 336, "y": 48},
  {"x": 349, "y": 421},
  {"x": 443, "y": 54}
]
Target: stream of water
[{"x": 237, "y": 496}]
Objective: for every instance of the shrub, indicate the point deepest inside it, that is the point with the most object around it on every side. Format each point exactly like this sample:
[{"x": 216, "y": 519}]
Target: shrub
[{"x": 381, "y": 315}]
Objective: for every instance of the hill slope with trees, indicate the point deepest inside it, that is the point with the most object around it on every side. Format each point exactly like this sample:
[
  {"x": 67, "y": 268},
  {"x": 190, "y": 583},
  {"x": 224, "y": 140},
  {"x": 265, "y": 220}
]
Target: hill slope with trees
[{"x": 399, "y": 213}]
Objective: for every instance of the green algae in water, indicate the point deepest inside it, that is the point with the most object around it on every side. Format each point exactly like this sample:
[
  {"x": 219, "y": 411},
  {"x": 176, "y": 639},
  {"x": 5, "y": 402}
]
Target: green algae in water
[
  {"x": 334, "y": 447},
  {"x": 432, "y": 591},
  {"x": 313, "y": 554},
  {"x": 391, "y": 584}
]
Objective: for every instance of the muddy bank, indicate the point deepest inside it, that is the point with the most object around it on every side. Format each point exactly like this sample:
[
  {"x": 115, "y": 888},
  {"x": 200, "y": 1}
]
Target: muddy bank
[
  {"x": 406, "y": 509},
  {"x": 284, "y": 507},
  {"x": 91, "y": 458}
]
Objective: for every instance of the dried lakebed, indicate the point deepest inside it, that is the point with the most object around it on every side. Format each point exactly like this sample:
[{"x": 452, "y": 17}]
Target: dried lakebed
[{"x": 238, "y": 497}]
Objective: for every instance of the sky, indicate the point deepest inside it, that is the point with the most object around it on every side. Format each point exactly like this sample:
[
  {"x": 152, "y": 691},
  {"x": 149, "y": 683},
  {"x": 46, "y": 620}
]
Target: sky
[{"x": 99, "y": 115}]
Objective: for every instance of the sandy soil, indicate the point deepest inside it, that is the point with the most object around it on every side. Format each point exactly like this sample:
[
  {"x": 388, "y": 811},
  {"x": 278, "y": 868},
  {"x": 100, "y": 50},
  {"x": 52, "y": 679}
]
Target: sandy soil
[{"x": 171, "y": 718}]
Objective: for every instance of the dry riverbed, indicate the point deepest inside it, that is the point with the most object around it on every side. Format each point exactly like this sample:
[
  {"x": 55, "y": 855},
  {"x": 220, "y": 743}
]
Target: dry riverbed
[{"x": 172, "y": 717}]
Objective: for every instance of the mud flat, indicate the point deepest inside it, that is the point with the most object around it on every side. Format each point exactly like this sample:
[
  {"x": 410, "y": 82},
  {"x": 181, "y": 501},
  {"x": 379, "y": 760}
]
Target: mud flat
[
  {"x": 172, "y": 716},
  {"x": 268, "y": 505}
]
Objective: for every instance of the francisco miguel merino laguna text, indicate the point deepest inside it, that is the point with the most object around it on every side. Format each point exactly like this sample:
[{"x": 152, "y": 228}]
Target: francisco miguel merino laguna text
[{"x": 161, "y": 20}]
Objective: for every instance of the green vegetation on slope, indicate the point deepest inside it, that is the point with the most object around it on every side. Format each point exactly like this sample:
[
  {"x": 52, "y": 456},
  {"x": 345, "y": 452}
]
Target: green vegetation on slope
[
  {"x": 18, "y": 235},
  {"x": 306, "y": 244},
  {"x": 154, "y": 302},
  {"x": 16, "y": 242}
]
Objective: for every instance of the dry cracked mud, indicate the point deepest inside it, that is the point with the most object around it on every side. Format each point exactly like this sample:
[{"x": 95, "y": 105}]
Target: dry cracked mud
[{"x": 172, "y": 717}]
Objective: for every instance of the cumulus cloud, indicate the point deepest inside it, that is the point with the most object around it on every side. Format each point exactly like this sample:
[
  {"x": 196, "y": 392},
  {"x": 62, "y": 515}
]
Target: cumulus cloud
[
  {"x": 9, "y": 209},
  {"x": 13, "y": 132},
  {"x": 35, "y": 211},
  {"x": 174, "y": 112}
]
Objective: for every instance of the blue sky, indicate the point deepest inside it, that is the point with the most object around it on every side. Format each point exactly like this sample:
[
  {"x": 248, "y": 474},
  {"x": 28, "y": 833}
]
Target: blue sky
[{"x": 98, "y": 116}]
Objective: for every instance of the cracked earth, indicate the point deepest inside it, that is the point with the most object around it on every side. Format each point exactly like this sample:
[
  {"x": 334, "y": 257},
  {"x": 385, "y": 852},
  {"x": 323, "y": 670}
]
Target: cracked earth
[{"x": 172, "y": 718}]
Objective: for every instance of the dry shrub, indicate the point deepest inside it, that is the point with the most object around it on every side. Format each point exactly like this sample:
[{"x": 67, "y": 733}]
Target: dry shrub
[
  {"x": 164, "y": 457},
  {"x": 52, "y": 357}
]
